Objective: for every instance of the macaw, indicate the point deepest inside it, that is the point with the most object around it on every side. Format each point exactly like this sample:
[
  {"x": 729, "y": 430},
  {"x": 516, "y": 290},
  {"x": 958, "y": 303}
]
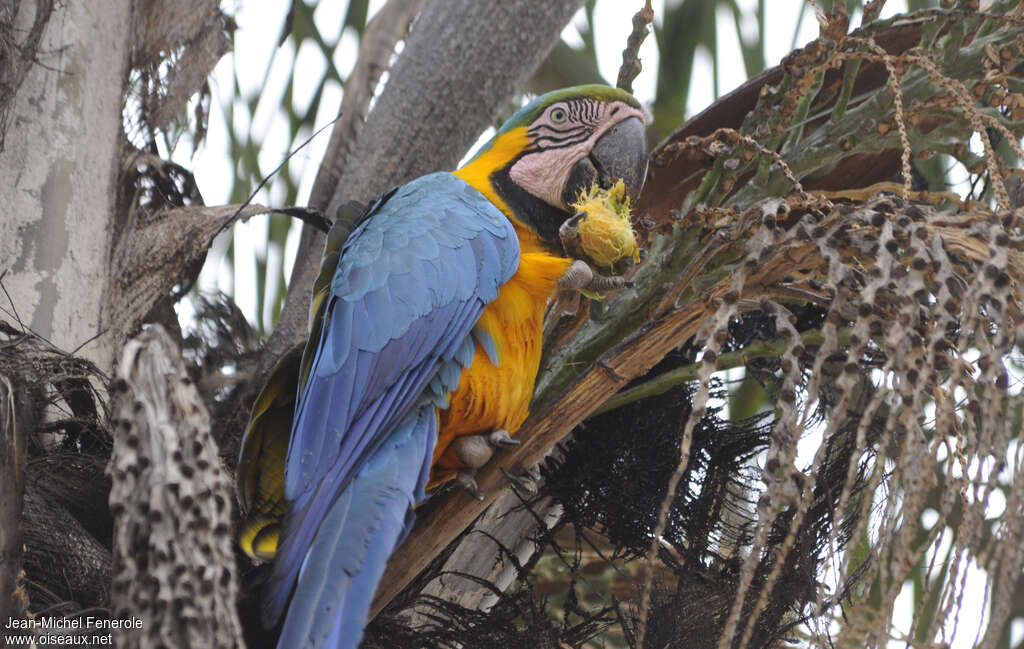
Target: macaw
[{"x": 424, "y": 347}]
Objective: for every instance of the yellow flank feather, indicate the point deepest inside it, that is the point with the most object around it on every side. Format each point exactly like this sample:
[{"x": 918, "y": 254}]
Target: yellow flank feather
[
  {"x": 488, "y": 396},
  {"x": 606, "y": 232}
]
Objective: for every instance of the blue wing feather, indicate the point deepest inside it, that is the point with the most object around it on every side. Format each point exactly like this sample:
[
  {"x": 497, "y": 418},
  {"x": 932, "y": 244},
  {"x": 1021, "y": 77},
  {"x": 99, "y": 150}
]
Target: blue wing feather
[
  {"x": 486, "y": 341},
  {"x": 465, "y": 353},
  {"x": 424, "y": 247},
  {"x": 410, "y": 285}
]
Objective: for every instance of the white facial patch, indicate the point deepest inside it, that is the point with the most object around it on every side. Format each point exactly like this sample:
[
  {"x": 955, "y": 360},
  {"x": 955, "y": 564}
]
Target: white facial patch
[{"x": 545, "y": 171}]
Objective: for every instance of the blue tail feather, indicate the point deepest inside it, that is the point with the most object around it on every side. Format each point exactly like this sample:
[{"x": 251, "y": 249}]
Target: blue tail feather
[{"x": 346, "y": 560}]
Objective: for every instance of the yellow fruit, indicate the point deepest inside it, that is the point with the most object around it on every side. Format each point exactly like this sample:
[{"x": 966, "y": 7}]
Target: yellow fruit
[{"x": 605, "y": 231}]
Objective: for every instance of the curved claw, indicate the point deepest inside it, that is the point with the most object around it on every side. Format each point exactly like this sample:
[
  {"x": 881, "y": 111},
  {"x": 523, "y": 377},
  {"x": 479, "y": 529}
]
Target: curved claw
[
  {"x": 500, "y": 437},
  {"x": 474, "y": 451},
  {"x": 569, "y": 234},
  {"x": 602, "y": 283},
  {"x": 526, "y": 483},
  {"x": 467, "y": 480}
]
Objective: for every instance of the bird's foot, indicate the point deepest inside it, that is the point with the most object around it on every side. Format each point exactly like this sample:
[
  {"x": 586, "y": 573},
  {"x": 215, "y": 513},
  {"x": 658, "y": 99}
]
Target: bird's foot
[
  {"x": 527, "y": 482},
  {"x": 581, "y": 276},
  {"x": 466, "y": 478},
  {"x": 474, "y": 451}
]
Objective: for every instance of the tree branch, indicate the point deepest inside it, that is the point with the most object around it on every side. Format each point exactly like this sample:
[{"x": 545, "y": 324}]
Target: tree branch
[
  {"x": 631, "y": 65},
  {"x": 542, "y": 430},
  {"x": 382, "y": 34},
  {"x": 668, "y": 380}
]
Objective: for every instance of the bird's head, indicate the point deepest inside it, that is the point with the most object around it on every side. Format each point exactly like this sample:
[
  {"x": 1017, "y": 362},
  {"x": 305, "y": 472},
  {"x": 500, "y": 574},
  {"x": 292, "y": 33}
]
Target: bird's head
[{"x": 555, "y": 147}]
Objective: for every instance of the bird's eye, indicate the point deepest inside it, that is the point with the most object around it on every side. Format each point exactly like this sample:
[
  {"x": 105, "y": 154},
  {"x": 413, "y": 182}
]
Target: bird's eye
[{"x": 558, "y": 115}]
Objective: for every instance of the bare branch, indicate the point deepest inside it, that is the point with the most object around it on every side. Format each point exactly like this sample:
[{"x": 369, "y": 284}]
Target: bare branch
[
  {"x": 631, "y": 66},
  {"x": 460, "y": 65},
  {"x": 376, "y": 48}
]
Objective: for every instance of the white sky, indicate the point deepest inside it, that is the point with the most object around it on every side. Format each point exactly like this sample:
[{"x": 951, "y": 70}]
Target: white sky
[{"x": 259, "y": 25}]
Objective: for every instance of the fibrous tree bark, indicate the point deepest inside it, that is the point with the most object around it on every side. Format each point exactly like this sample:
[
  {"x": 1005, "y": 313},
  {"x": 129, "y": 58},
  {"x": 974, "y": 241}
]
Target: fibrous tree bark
[{"x": 71, "y": 92}]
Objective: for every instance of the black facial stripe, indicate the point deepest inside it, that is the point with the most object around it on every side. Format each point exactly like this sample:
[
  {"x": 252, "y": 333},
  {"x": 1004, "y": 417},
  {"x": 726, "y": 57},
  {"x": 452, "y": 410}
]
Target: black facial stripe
[
  {"x": 576, "y": 134},
  {"x": 581, "y": 110},
  {"x": 583, "y": 116},
  {"x": 547, "y": 143},
  {"x": 552, "y": 131},
  {"x": 588, "y": 111},
  {"x": 547, "y": 137}
]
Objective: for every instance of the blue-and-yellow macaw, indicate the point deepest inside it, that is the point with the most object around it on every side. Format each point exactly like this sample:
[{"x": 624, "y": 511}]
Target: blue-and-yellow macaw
[{"x": 424, "y": 348}]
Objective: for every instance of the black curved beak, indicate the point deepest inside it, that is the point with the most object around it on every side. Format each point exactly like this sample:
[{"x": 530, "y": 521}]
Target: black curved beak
[{"x": 619, "y": 153}]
